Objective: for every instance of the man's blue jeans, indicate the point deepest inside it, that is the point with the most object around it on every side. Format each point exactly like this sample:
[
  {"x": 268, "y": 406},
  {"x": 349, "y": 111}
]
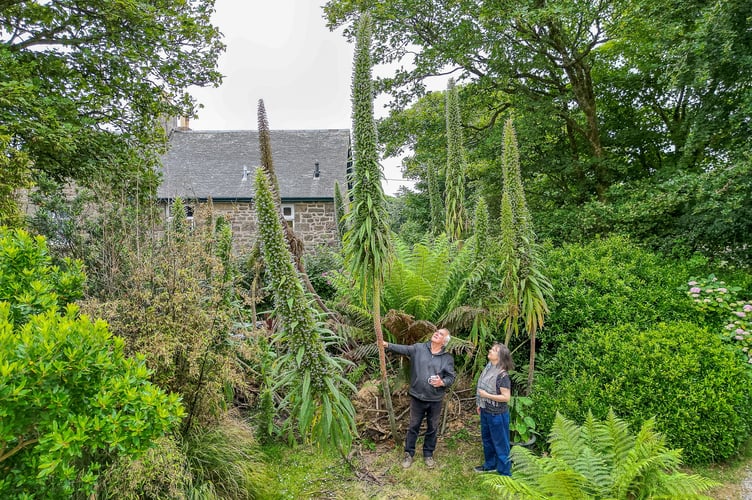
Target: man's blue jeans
[{"x": 494, "y": 431}]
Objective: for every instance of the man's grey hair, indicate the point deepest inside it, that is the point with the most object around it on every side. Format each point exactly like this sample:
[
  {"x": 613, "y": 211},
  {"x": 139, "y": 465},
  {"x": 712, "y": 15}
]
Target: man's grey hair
[{"x": 447, "y": 339}]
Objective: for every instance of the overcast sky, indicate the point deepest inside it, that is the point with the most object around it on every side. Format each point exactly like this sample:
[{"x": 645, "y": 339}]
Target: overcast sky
[{"x": 281, "y": 51}]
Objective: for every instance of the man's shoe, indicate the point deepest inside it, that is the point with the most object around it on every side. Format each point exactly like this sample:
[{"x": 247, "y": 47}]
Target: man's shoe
[
  {"x": 480, "y": 468},
  {"x": 407, "y": 462},
  {"x": 430, "y": 462}
]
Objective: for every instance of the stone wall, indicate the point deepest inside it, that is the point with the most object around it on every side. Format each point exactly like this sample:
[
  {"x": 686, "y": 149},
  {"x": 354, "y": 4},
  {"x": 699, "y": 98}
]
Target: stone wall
[{"x": 314, "y": 223}]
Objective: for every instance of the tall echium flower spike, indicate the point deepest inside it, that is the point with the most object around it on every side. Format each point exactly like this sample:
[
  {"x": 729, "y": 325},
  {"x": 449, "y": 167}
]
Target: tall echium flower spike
[
  {"x": 290, "y": 301},
  {"x": 455, "y": 222},
  {"x": 265, "y": 148},
  {"x": 510, "y": 160},
  {"x": 434, "y": 199},
  {"x": 367, "y": 237},
  {"x": 367, "y": 246},
  {"x": 339, "y": 212}
]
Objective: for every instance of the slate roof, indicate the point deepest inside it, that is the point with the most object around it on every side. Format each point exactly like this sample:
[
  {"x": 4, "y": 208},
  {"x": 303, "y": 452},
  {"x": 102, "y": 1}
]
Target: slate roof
[{"x": 202, "y": 164}]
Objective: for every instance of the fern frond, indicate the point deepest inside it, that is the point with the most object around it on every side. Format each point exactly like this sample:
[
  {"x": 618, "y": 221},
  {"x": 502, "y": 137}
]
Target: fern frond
[{"x": 565, "y": 440}]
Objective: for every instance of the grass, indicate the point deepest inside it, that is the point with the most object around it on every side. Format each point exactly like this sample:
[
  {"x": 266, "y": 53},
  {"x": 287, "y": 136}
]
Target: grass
[
  {"x": 308, "y": 473},
  {"x": 376, "y": 472}
]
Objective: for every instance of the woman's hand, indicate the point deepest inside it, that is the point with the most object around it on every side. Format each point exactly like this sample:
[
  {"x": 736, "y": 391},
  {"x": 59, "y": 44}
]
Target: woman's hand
[{"x": 483, "y": 394}]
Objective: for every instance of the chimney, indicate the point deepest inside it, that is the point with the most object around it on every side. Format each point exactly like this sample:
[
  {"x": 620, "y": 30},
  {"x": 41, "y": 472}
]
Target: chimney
[{"x": 184, "y": 123}]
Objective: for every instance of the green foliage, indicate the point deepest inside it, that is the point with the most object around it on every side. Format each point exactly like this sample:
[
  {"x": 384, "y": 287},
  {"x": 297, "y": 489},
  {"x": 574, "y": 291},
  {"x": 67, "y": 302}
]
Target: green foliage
[
  {"x": 455, "y": 220},
  {"x": 72, "y": 402},
  {"x": 610, "y": 282},
  {"x": 85, "y": 84},
  {"x": 178, "y": 306},
  {"x": 319, "y": 264},
  {"x": 696, "y": 387},
  {"x": 28, "y": 280},
  {"x": 521, "y": 423},
  {"x": 225, "y": 463},
  {"x": 315, "y": 389},
  {"x": 161, "y": 472},
  {"x": 600, "y": 460},
  {"x": 435, "y": 199},
  {"x": 715, "y": 298},
  {"x": 16, "y": 170}
]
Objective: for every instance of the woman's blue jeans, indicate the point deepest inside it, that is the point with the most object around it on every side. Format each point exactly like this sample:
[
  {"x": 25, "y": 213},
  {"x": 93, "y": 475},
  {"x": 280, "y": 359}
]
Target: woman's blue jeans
[{"x": 494, "y": 430}]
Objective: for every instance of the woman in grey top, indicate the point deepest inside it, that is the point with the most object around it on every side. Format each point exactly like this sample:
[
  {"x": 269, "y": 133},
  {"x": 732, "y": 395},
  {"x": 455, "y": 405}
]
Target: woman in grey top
[{"x": 492, "y": 398}]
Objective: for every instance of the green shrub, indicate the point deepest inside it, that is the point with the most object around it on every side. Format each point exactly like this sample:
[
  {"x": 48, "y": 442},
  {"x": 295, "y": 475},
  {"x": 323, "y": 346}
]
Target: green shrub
[
  {"x": 71, "y": 403},
  {"x": 159, "y": 473},
  {"x": 683, "y": 375},
  {"x": 611, "y": 282},
  {"x": 28, "y": 280},
  {"x": 318, "y": 265}
]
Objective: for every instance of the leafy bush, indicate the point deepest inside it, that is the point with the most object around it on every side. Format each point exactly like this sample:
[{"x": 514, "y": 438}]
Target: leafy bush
[
  {"x": 611, "y": 282},
  {"x": 696, "y": 387},
  {"x": 71, "y": 403},
  {"x": 600, "y": 460},
  {"x": 318, "y": 264},
  {"x": 28, "y": 280},
  {"x": 161, "y": 472}
]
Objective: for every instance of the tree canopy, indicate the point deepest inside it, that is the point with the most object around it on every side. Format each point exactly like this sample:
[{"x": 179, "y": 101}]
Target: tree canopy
[{"x": 83, "y": 83}]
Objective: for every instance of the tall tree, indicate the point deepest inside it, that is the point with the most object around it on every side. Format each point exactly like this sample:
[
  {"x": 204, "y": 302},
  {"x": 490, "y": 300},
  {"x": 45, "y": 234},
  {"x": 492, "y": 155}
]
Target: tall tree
[
  {"x": 84, "y": 82},
  {"x": 455, "y": 222},
  {"x": 367, "y": 246}
]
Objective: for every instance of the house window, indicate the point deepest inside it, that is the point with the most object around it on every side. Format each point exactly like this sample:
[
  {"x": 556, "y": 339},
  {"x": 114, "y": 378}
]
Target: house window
[{"x": 288, "y": 211}]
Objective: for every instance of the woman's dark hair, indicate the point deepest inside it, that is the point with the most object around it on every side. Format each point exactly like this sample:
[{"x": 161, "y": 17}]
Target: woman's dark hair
[{"x": 505, "y": 357}]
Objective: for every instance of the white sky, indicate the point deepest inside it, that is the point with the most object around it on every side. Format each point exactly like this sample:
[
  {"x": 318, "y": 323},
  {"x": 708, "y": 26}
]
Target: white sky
[{"x": 282, "y": 52}]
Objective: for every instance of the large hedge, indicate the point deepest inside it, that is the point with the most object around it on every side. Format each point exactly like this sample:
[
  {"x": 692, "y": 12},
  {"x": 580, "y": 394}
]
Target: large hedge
[
  {"x": 613, "y": 281},
  {"x": 697, "y": 388}
]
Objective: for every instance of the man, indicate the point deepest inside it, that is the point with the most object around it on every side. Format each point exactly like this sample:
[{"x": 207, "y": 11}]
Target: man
[{"x": 431, "y": 372}]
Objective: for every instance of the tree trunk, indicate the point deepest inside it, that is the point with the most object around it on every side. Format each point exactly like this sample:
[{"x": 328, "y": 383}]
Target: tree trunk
[{"x": 382, "y": 359}]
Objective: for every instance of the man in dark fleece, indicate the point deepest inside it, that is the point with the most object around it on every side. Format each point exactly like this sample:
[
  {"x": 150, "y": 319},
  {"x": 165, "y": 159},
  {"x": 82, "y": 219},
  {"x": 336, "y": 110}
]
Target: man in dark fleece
[{"x": 431, "y": 372}]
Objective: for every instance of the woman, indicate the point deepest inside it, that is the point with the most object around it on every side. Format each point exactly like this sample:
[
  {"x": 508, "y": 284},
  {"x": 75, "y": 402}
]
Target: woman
[{"x": 492, "y": 397}]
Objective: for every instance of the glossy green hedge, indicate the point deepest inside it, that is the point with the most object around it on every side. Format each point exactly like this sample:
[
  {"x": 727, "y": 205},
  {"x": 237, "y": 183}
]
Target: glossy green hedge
[
  {"x": 697, "y": 388},
  {"x": 610, "y": 282}
]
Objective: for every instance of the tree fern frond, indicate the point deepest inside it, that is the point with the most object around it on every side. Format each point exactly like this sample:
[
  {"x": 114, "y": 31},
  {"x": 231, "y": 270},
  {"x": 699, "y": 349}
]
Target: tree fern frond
[
  {"x": 510, "y": 488},
  {"x": 565, "y": 439}
]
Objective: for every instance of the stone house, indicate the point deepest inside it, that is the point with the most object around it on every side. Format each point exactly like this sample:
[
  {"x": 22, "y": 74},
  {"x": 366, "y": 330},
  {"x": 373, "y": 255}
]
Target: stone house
[{"x": 221, "y": 165}]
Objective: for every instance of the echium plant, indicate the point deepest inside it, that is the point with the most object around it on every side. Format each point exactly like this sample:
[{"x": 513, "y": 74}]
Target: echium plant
[
  {"x": 368, "y": 249},
  {"x": 525, "y": 288},
  {"x": 312, "y": 381},
  {"x": 434, "y": 199},
  {"x": 339, "y": 212},
  {"x": 456, "y": 166},
  {"x": 711, "y": 295}
]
